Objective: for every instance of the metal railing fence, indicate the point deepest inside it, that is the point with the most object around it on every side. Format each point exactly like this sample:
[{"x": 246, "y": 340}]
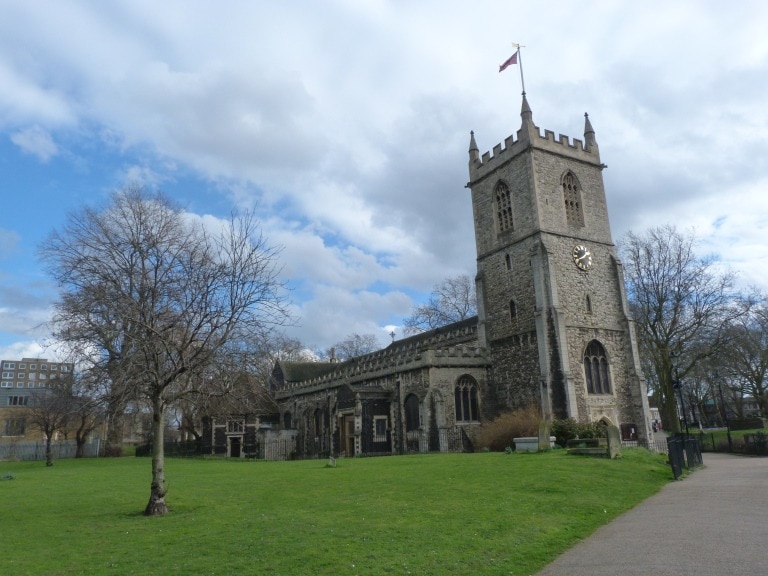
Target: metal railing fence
[{"x": 35, "y": 450}]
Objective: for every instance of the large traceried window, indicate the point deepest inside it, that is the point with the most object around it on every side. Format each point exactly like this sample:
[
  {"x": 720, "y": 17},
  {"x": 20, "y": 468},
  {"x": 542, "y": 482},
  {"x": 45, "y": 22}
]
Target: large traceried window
[
  {"x": 503, "y": 207},
  {"x": 572, "y": 197},
  {"x": 467, "y": 409},
  {"x": 596, "y": 369}
]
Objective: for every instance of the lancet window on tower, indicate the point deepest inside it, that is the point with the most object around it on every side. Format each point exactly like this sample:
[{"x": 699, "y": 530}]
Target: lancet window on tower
[
  {"x": 596, "y": 369},
  {"x": 572, "y": 197},
  {"x": 503, "y": 207}
]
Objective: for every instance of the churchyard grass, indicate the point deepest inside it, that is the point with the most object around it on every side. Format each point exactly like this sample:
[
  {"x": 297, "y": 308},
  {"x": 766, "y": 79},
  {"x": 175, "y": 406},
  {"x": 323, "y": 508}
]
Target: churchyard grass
[{"x": 488, "y": 513}]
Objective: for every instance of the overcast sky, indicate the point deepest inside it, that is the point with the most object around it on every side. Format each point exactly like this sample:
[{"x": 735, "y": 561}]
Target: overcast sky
[{"x": 345, "y": 126}]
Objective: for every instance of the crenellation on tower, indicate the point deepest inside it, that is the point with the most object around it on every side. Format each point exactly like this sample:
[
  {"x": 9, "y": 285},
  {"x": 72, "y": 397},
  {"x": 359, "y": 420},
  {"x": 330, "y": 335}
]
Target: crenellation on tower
[{"x": 564, "y": 145}]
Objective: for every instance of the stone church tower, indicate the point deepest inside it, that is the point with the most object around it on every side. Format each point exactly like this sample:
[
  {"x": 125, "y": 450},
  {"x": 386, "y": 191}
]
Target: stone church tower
[{"x": 552, "y": 307}]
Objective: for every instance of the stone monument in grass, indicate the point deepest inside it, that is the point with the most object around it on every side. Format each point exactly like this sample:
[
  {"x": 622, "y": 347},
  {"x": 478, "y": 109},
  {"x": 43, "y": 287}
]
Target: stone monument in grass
[
  {"x": 544, "y": 439},
  {"x": 614, "y": 441}
]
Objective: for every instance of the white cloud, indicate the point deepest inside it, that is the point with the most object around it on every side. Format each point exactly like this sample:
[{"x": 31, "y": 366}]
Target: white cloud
[
  {"x": 345, "y": 126},
  {"x": 19, "y": 350},
  {"x": 37, "y": 142}
]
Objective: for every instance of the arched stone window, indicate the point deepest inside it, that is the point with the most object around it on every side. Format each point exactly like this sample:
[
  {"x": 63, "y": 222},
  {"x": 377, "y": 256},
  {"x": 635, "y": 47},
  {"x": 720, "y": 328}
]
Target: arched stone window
[
  {"x": 467, "y": 409},
  {"x": 512, "y": 310},
  {"x": 412, "y": 416},
  {"x": 287, "y": 421},
  {"x": 596, "y": 369},
  {"x": 572, "y": 197},
  {"x": 503, "y": 201},
  {"x": 588, "y": 304}
]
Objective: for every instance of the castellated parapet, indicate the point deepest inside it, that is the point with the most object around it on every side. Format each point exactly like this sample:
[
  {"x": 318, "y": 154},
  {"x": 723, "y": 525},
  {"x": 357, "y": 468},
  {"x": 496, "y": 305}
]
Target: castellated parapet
[
  {"x": 452, "y": 347},
  {"x": 530, "y": 136}
]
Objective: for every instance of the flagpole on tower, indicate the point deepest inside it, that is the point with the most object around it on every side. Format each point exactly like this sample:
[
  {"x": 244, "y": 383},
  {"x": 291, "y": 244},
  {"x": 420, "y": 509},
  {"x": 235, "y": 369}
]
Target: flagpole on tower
[
  {"x": 520, "y": 61},
  {"x": 516, "y": 58}
]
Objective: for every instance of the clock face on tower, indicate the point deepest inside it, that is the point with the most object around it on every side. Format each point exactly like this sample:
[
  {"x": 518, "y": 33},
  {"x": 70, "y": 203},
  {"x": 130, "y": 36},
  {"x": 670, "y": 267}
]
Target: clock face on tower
[{"x": 581, "y": 257}]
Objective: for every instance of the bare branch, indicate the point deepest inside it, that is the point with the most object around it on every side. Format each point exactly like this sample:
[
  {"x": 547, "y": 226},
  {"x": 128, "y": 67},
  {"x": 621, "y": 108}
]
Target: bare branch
[{"x": 450, "y": 301}]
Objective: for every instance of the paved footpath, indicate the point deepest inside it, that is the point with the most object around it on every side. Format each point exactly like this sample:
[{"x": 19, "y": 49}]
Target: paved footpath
[{"x": 712, "y": 523}]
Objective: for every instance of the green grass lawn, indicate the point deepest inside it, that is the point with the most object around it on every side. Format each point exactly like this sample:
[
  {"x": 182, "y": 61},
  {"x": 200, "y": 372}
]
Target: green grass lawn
[{"x": 475, "y": 514}]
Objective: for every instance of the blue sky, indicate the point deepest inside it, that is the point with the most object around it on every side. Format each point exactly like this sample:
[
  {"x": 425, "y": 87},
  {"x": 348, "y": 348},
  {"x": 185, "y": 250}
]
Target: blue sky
[{"x": 345, "y": 126}]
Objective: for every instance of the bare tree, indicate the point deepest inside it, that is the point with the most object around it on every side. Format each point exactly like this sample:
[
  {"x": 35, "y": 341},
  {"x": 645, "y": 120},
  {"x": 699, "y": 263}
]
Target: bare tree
[
  {"x": 682, "y": 306},
  {"x": 87, "y": 407},
  {"x": 355, "y": 345},
  {"x": 451, "y": 300},
  {"x": 265, "y": 349},
  {"x": 746, "y": 358},
  {"x": 150, "y": 296},
  {"x": 90, "y": 329},
  {"x": 236, "y": 384},
  {"x": 49, "y": 411},
  {"x": 240, "y": 378}
]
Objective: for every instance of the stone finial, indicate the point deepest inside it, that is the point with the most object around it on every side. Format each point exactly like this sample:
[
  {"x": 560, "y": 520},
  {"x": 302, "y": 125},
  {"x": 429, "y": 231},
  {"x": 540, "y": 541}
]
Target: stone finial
[
  {"x": 528, "y": 129},
  {"x": 525, "y": 111},
  {"x": 474, "y": 152},
  {"x": 590, "y": 143}
]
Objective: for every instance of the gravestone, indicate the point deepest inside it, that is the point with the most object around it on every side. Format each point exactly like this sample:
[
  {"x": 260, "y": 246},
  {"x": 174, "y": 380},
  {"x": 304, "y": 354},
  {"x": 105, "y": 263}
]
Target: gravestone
[
  {"x": 544, "y": 443},
  {"x": 614, "y": 442}
]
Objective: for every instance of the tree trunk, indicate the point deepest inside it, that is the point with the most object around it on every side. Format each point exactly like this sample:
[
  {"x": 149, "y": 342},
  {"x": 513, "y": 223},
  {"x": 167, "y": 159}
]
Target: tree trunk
[
  {"x": 669, "y": 414},
  {"x": 668, "y": 396},
  {"x": 156, "y": 505},
  {"x": 48, "y": 451},
  {"x": 114, "y": 441},
  {"x": 80, "y": 441}
]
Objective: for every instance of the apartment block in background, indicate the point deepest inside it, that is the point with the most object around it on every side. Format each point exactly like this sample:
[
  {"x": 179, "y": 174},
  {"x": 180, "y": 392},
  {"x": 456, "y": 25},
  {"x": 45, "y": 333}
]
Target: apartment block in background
[{"x": 20, "y": 380}]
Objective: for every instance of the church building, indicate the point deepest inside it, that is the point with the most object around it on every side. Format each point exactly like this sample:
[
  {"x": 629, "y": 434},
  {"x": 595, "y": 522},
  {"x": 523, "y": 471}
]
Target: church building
[{"x": 553, "y": 328}]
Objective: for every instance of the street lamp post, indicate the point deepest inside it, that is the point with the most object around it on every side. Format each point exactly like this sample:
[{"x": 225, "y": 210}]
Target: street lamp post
[
  {"x": 329, "y": 423},
  {"x": 677, "y": 385}
]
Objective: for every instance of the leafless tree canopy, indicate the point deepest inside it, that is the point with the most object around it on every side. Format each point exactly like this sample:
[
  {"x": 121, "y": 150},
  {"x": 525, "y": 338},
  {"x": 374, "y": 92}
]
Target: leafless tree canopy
[
  {"x": 681, "y": 303},
  {"x": 451, "y": 300},
  {"x": 153, "y": 298},
  {"x": 49, "y": 412},
  {"x": 745, "y": 358},
  {"x": 355, "y": 345}
]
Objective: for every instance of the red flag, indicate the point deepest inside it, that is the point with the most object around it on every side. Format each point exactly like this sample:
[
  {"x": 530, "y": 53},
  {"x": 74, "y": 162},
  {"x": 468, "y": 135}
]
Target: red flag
[{"x": 511, "y": 60}]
